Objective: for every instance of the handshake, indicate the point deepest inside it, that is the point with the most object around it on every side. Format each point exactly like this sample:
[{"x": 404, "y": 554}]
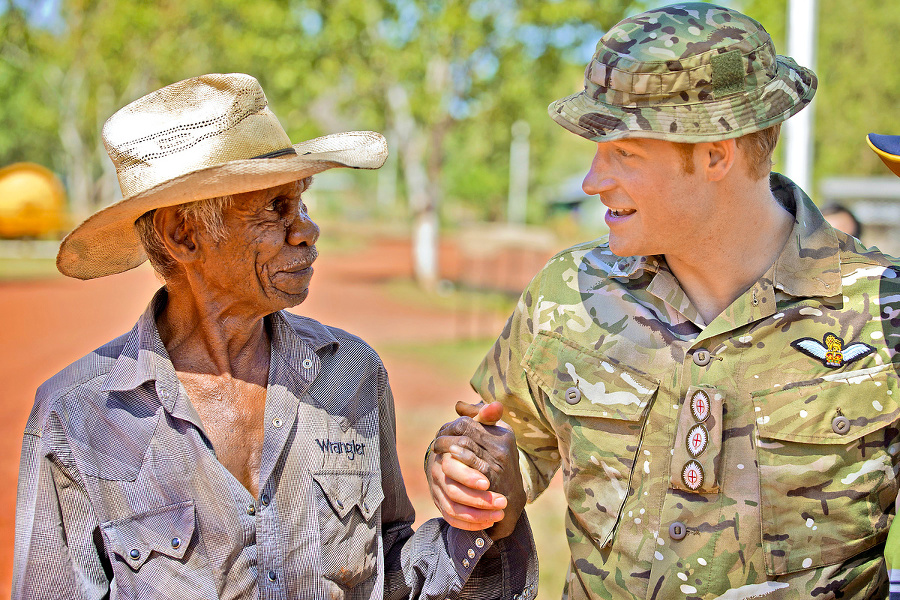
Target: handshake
[{"x": 473, "y": 472}]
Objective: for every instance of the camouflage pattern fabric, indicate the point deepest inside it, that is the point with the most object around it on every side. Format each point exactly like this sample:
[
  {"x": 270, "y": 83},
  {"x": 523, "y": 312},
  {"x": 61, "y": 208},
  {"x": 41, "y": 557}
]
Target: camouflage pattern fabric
[
  {"x": 689, "y": 72},
  {"x": 606, "y": 369}
]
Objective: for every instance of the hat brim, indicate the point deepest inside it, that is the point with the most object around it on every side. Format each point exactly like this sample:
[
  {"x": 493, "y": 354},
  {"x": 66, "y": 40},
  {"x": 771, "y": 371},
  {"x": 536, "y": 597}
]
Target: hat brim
[
  {"x": 107, "y": 243},
  {"x": 789, "y": 91},
  {"x": 887, "y": 147}
]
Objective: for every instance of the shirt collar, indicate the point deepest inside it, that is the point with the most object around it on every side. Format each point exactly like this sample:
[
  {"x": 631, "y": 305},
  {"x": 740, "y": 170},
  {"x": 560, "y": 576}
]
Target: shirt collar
[
  {"x": 809, "y": 263},
  {"x": 144, "y": 357}
]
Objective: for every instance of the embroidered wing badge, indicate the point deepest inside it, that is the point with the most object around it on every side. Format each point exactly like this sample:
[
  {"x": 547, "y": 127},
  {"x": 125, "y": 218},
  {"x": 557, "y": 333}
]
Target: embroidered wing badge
[{"x": 831, "y": 350}]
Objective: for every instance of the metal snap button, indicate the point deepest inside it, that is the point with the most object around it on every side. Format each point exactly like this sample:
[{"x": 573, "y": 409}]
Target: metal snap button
[
  {"x": 471, "y": 553},
  {"x": 479, "y": 542},
  {"x": 573, "y": 395},
  {"x": 307, "y": 363},
  {"x": 251, "y": 510},
  {"x": 466, "y": 563},
  {"x": 277, "y": 423},
  {"x": 701, "y": 357},
  {"x": 271, "y": 575},
  {"x": 339, "y": 503},
  {"x": 841, "y": 425},
  {"x": 135, "y": 553},
  {"x": 176, "y": 542},
  {"x": 265, "y": 499},
  {"x": 677, "y": 530}
]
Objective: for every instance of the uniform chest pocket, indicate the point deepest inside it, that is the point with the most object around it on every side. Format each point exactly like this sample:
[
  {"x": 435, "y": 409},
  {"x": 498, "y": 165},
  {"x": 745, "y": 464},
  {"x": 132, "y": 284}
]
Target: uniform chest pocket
[
  {"x": 149, "y": 549},
  {"x": 347, "y": 506},
  {"x": 598, "y": 407},
  {"x": 828, "y": 460}
]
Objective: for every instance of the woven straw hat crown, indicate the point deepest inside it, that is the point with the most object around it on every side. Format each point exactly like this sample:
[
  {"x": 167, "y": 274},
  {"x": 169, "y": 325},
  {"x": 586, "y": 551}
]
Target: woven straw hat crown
[
  {"x": 195, "y": 139},
  {"x": 688, "y": 72}
]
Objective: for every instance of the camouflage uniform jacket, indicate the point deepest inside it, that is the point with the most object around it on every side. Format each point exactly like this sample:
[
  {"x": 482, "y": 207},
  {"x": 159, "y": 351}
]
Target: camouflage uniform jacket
[{"x": 755, "y": 456}]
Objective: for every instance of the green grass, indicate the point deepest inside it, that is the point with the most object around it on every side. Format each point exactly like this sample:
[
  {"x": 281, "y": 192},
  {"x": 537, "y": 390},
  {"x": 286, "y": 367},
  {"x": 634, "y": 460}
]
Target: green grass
[
  {"x": 449, "y": 298},
  {"x": 458, "y": 358},
  {"x": 18, "y": 269}
]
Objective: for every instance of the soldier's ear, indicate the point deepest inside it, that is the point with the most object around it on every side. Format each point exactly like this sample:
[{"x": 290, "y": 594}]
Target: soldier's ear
[
  {"x": 178, "y": 235},
  {"x": 717, "y": 158}
]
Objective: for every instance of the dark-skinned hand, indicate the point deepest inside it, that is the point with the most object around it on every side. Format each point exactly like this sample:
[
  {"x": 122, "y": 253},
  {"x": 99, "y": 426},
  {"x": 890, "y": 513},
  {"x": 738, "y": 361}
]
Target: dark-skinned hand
[{"x": 473, "y": 472}]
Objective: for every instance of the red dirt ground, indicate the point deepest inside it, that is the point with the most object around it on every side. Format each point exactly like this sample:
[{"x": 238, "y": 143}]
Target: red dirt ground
[{"x": 47, "y": 324}]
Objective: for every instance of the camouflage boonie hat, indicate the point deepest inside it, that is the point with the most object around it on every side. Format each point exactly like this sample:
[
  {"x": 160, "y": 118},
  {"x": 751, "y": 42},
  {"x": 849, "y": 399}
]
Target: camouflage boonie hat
[{"x": 689, "y": 72}]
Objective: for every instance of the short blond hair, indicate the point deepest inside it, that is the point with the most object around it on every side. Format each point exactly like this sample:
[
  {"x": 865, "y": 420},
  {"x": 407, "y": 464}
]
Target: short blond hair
[{"x": 758, "y": 146}]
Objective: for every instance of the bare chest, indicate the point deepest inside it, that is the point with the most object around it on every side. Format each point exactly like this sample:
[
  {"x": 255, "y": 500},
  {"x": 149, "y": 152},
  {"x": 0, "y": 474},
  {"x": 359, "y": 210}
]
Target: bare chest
[{"x": 233, "y": 416}]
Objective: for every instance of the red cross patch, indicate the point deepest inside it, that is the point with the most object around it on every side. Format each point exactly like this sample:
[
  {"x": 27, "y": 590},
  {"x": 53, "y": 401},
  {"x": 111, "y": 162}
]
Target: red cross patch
[
  {"x": 697, "y": 440},
  {"x": 692, "y": 475},
  {"x": 700, "y": 406}
]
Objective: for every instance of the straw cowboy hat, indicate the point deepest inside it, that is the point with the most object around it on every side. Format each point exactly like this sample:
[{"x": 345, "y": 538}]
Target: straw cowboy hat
[{"x": 196, "y": 139}]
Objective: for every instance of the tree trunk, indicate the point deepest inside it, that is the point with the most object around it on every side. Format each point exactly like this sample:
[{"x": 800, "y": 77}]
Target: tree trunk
[{"x": 411, "y": 145}]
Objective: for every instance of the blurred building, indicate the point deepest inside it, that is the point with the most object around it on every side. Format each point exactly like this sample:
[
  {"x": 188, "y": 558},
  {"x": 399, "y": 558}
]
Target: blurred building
[{"x": 876, "y": 203}]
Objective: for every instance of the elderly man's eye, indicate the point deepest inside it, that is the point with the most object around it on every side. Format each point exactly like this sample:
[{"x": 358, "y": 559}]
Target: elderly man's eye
[{"x": 275, "y": 205}]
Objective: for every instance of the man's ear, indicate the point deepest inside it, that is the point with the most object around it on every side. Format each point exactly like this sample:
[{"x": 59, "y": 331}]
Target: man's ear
[
  {"x": 177, "y": 234},
  {"x": 718, "y": 158}
]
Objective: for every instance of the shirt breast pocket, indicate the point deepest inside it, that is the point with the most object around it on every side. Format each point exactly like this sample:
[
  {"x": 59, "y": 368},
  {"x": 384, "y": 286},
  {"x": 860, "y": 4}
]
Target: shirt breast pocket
[
  {"x": 347, "y": 506},
  {"x": 597, "y": 407},
  {"x": 157, "y": 549},
  {"x": 828, "y": 460}
]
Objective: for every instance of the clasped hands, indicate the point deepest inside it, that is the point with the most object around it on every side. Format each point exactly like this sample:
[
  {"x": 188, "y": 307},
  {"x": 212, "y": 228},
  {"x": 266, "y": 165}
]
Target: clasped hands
[{"x": 473, "y": 472}]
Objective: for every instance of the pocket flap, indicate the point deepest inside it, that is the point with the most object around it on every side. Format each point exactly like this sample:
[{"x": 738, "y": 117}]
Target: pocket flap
[
  {"x": 346, "y": 490},
  {"x": 583, "y": 382},
  {"x": 807, "y": 411},
  {"x": 167, "y": 530}
]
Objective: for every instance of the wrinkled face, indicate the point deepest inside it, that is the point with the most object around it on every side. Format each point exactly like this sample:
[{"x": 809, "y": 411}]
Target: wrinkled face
[
  {"x": 654, "y": 205},
  {"x": 264, "y": 263}
]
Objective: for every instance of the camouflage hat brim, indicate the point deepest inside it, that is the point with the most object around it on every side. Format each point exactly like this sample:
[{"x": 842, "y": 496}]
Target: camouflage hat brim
[
  {"x": 790, "y": 89},
  {"x": 887, "y": 147}
]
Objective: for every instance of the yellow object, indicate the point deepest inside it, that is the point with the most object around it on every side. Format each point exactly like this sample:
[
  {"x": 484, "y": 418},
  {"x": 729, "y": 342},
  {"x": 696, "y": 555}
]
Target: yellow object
[{"x": 32, "y": 202}]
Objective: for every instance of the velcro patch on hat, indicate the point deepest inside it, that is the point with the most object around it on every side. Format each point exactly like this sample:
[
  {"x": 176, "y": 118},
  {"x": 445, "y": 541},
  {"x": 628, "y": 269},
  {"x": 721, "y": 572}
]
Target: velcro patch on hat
[{"x": 727, "y": 73}]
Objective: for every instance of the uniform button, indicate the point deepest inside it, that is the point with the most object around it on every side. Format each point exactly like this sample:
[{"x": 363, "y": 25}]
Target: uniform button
[
  {"x": 339, "y": 503},
  {"x": 677, "y": 530},
  {"x": 176, "y": 542},
  {"x": 271, "y": 575},
  {"x": 251, "y": 510},
  {"x": 307, "y": 363},
  {"x": 135, "y": 553},
  {"x": 471, "y": 553},
  {"x": 277, "y": 423},
  {"x": 573, "y": 395},
  {"x": 265, "y": 499},
  {"x": 466, "y": 563},
  {"x": 841, "y": 425},
  {"x": 479, "y": 542},
  {"x": 701, "y": 357}
]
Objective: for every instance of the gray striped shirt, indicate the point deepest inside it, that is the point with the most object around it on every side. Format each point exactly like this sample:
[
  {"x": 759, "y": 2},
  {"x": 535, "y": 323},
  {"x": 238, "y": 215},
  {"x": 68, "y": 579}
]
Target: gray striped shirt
[{"x": 120, "y": 493}]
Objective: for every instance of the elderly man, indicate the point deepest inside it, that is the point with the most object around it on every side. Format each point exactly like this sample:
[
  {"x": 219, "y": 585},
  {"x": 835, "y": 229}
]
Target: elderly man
[
  {"x": 718, "y": 376},
  {"x": 225, "y": 448}
]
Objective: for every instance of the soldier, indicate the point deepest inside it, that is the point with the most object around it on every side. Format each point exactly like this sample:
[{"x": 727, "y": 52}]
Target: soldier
[{"x": 716, "y": 377}]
